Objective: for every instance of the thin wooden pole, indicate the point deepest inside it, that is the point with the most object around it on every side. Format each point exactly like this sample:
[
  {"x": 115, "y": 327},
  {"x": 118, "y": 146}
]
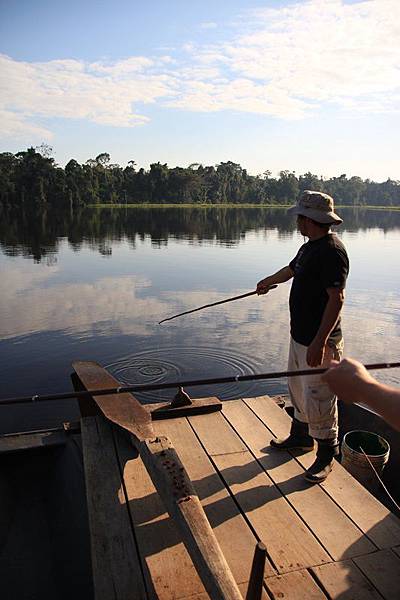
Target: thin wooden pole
[
  {"x": 189, "y": 383},
  {"x": 187, "y": 312},
  {"x": 255, "y": 589}
]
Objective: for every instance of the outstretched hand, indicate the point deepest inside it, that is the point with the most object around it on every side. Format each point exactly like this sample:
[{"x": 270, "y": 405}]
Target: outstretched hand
[{"x": 346, "y": 379}]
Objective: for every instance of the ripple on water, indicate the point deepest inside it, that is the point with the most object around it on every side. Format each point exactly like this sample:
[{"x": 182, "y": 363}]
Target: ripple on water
[{"x": 164, "y": 365}]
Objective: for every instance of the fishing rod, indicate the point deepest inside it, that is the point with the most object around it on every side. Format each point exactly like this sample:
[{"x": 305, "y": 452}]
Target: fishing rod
[
  {"x": 179, "y": 384},
  {"x": 187, "y": 312}
]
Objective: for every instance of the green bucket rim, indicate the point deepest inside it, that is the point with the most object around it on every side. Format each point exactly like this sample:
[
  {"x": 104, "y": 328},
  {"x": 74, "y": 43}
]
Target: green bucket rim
[{"x": 382, "y": 440}]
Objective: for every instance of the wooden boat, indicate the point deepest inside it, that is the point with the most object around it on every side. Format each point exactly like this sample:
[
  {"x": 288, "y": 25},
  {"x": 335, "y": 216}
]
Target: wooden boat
[{"x": 333, "y": 540}]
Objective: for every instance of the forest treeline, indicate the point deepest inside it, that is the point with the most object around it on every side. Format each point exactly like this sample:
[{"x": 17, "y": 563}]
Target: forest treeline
[
  {"x": 39, "y": 234},
  {"x": 32, "y": 178}
]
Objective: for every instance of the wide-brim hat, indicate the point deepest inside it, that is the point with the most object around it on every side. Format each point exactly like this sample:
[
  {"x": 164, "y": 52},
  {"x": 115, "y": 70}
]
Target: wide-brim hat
[{"x": 317, "y": 206}]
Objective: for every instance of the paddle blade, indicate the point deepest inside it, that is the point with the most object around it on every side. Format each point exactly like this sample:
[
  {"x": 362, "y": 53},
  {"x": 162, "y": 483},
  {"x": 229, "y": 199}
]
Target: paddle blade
[{"x": 122, "y": 409}]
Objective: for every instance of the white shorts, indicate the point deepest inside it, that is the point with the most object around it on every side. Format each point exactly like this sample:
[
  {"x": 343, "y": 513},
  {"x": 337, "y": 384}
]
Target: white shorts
[{"x": 313, "y": 401}]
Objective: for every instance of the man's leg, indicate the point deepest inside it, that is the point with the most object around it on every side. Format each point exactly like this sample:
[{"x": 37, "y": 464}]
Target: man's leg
[
  {"x": 327, "y": 449},
  {"x": 299, "y": 437},
  {"x": 323, "y": 421}
]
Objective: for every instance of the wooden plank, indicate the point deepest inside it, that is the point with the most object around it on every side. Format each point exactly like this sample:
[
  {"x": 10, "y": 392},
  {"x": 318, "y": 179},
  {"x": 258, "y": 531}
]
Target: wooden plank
[
  {"x": 223, "y": 441},
  {"x": 115, "y": 563},
  {"x": 383, "y": 570},
  {"x": 344, "y": 581},
  {"x": 170, "y": 479},
  {"x": 242, "y": 588},
  {"x": 298, "y": 585},
  {"x": 290, "y": 544},
  {"x": 374, "y": 519},
  {"x": 233, "y": 534},
  {"x": 336, "y": 532},
  {"x": 30, "y": 441},
  {"x": 168, "y": 569},
  {"x": 199, "y": 406},
  {"x": 180, "y": 498}
]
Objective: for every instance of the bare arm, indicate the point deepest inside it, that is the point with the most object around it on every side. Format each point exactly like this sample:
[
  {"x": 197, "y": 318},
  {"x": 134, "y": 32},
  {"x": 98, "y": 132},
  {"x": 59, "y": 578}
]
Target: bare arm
[
  {"x": 279, "y": 277},
  {"x": 316, "y": 350},
  {"x": 351, "y": 382}
]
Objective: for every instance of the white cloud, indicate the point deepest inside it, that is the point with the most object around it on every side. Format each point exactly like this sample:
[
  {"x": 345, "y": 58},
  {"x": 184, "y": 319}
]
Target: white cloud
[
  {"x": 121, "y": 68},
  {"x": 15, "y": 126},
  {"x": 297, "y": 57},
  {"x": 286, "y": 62},
  {"x": 241, "y": 95},
  {"x": 99, "y": 92},
  {"x": 200, "y": 73}
]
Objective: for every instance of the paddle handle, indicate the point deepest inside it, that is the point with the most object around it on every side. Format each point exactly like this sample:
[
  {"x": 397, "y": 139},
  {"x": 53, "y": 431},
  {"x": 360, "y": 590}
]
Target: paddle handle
[{"x": 176, "y": 490}]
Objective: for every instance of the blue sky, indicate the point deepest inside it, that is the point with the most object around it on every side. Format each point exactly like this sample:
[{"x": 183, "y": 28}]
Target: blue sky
[{"x": 302, "y": 85}]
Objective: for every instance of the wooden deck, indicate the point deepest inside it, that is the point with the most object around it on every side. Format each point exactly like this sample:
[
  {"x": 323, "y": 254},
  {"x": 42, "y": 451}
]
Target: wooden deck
[{"x": 333, "y": 540}]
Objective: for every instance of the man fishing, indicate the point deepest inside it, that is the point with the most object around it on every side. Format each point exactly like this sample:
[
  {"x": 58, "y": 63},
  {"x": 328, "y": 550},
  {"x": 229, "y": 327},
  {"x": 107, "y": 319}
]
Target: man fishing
[{"x": 319, "y": 272}]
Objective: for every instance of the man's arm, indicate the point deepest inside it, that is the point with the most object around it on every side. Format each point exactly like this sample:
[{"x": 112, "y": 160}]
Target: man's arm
[
  {"x": 279, "y": 277},
  {"x": 351, "y": 382},
  {"x": 316, "y": 350}
]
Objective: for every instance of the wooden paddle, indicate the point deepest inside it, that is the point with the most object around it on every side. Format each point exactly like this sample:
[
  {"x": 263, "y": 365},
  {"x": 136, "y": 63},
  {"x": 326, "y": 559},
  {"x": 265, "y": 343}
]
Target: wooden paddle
[{"x": 170, "y": 480}]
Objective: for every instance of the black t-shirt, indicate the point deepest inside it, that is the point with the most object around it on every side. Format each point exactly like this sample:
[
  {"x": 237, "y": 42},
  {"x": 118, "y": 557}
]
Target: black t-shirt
[{"x": 318, "y": 265}]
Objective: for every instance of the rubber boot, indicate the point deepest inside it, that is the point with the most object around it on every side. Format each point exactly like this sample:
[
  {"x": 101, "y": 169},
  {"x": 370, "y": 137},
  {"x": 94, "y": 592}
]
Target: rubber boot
[
  {"x": 322, "y": 466},
  {"x": 299, "y": 438}
]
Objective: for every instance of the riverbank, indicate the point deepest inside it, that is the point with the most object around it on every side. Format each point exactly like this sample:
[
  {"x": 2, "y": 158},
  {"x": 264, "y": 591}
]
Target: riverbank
[{"x": 226, "y": 205}]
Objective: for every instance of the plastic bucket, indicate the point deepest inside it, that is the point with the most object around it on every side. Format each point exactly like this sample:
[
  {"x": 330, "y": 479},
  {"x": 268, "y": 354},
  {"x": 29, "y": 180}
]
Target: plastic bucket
[{"x": 355, "y": 462}]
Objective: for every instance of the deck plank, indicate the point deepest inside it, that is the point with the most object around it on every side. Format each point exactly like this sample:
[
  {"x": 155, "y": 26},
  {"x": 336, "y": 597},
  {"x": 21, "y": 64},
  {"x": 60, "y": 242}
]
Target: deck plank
[
  {"x": 336, "y": 532},
  {"x": 232, "y": 532},
  {"x": 298, "y": 585},
  {"x": 242, "y": 588},
  {"x": 30, "y": 441},
  {"x": 303, "y": 527},
  {"x": 115, "y": 564},
  {"x": 383, "y": 570},
  {"x": 374, "y": 519},
  {"x": 290, "y": 544},
  {"x": 344, "y": 581},
  {"x": 222, "y": 440},
  {"x": 168, "y": 569}
]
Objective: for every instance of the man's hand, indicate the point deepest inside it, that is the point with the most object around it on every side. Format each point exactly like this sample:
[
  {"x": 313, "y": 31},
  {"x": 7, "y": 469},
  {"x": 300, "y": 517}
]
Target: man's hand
[
  {"x": 315, "y": 353},
  {"x": 318, "y": 351},
  {"x": 263, "y": 286},
  {"x": 280, "y": 276}
]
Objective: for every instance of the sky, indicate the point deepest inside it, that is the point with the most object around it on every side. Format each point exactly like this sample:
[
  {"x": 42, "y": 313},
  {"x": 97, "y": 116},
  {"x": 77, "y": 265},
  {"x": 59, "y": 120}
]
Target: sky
[{"x": 303, "y": 85}]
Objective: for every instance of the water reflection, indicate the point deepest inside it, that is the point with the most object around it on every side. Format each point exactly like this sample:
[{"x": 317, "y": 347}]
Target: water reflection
[
  {"x": 30, "y": 303},
  {"x": 38, "y": 235},
  {"x": 96, "y": 284}
]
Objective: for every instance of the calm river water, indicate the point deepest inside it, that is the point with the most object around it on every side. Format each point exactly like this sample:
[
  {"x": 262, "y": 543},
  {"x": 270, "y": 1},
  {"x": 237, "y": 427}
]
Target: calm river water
[{"x": 94, "y": 285}]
